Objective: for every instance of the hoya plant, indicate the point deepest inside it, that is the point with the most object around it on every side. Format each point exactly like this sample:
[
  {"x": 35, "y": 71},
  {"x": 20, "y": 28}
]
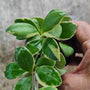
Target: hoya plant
[{"x": 40, "y": 62}]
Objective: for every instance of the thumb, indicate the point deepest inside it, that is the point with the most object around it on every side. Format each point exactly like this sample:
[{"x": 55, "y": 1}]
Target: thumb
[{"x": 84, "y": 67}]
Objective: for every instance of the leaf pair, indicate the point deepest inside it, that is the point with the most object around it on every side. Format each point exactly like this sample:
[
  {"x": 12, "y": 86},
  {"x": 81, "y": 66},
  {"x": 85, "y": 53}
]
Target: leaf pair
[
  {"x": 46, "y": 74},
  {"x": 26, "y": 28},
  {"x": 55, "y": 25},
  {"x": 13, "y": 71},
  {"x": 25, "y": 62},
  {"x": 45, "y": 61}
]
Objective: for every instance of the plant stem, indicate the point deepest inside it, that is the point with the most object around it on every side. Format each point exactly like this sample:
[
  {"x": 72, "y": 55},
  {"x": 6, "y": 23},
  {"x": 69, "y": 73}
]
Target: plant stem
[{"x": 34, "y": 84}]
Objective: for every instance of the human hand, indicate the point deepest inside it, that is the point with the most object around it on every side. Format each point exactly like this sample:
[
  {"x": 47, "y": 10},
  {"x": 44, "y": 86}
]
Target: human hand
[{"x": 80, "y": 78}]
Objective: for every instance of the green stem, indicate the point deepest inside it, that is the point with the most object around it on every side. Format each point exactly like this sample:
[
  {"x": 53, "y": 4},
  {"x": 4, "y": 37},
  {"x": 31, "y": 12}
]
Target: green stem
[{"x": 35, "y": 84}]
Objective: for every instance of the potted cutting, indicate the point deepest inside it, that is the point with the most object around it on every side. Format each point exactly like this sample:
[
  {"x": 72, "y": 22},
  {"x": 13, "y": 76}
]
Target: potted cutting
[{"x": 41, "y": 61}]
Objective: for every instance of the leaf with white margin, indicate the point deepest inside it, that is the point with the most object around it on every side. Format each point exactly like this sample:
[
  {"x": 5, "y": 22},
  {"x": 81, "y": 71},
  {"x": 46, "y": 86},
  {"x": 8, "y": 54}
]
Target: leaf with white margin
[
  {"x": 13, "y": 71},
  {"x": 44, "y": 61},
  {"x": 66, "y": 18},
  {"x": 68, "y": 30},
  {"x": 61, "y": 64},
  {"x": 48, "y": 88},
  {"x": 24, "y": 84},
  {"x": 25, "y": 59},
  {"x": 24, "y": 30},
  {"x": 50, "y": 49},
  {"x": 62, "y": 71},
  {"x": 67, "y": 50},
  {"x": 48, "y": 76},
  {"x": 53, "y": 19},
  {"x": 34, "y": 46},
  {"x": 54, "y": 33}
]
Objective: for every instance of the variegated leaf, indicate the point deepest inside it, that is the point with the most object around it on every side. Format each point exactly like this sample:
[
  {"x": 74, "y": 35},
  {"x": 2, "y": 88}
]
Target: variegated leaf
[
  {"x": 44, "y": 61},
  {"x": 54, "y": 33},
  {"x": 48, "y": 88},
  {"x": 68, "y": 30},
  {"x": 25, "y": 59},
  {"x": 53, "y": 19},
  {"x": 22, "y": 30},
  {"x": 61, "y": 64},
  {"x": 51, "y": 49},
  {"x": 48, "y": 76},
  {"x": 34, "y": 46},
  {"x": 67, "y": 50}
]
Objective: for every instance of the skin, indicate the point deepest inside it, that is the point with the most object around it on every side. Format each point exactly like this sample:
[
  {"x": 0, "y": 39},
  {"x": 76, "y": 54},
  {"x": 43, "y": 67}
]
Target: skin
[{"x": 80, "y": 78}]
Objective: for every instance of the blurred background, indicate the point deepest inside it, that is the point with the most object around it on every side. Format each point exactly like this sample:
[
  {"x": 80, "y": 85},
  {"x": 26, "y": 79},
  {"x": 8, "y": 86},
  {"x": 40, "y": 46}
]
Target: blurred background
[{"x": 12, "y": 9}]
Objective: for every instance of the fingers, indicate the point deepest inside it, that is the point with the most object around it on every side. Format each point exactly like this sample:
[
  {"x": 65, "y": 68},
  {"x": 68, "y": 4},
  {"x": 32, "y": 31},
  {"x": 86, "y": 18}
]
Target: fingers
[
  {"x": 83, "y": 31},
  {"x": 86, "y": 46},
  {"x": 83, "y": 36},
  {"x": 75, "y": 82},
  {"x": 78, "y": 79},
  {"x": 84, "y": 66}
]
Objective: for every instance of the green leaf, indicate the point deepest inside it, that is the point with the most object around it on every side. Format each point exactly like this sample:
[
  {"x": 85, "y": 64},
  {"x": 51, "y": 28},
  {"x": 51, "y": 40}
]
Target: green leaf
[
  {"x": 52, "y": 20},
  {"x": 61, "y": 71},
  {"x": 44, "y": 61},
  {"x": 24, "y": 84},
  {"x": 33, "y": 38},
  {"x": 61, "y": 64},
  {"x": 48, "y": 76},
  {"x": 37, "y": 56},
  {"x": 66, "y": 19},
  {"x": 48, "y": 88},
  {"x": 68, "y": 30},
  {"x": 20, "y": 38},
  {"x": 54, "y": 33},
  {"x": 32, "y": 21},
  {"x": 35, "y": 22},
  {"x": 67, "y": 50},
  {"x": 25, "y": 20},
  {"x": 40, "y": 21},
  {"x": 34, "y": 46},
  {"x": 17, "y": 51},
  {"x": 25, "y": 59},
  {"x": 22, "y": 30},
  {"x": 13, "y": 71},
  {"x": 50, "y": 49}
]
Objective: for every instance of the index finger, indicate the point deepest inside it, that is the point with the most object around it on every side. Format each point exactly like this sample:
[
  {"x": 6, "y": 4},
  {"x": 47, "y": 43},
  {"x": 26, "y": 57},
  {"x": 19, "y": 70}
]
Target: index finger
[
  {"x": 83, "y": 31},
  {"x": 83, "y": 34}
]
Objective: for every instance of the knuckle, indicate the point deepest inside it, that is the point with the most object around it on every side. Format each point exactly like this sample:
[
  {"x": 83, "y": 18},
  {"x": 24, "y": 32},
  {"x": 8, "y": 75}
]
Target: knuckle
[{"x": 86, "y": 45}]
